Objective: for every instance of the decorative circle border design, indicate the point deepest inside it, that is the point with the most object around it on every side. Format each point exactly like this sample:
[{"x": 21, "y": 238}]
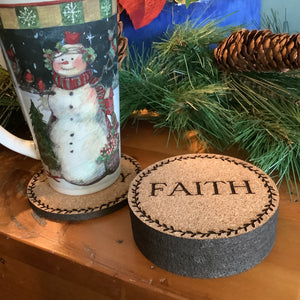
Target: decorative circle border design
[
  {"x": 229, "y": 231},
  {"x": 46, "y": 208}
]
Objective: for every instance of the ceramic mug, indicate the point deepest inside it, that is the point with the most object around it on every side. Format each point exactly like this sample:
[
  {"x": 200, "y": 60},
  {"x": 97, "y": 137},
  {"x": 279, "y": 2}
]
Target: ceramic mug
[{"x": 62, "y": 55}]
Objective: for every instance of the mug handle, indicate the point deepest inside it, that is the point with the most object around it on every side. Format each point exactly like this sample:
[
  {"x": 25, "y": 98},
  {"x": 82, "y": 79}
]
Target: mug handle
[{"x": 16, "y": 144}]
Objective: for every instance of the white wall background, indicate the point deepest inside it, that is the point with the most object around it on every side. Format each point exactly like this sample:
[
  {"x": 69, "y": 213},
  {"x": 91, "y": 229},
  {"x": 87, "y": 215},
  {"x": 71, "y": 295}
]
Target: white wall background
[{"x": 293, "y": 11}]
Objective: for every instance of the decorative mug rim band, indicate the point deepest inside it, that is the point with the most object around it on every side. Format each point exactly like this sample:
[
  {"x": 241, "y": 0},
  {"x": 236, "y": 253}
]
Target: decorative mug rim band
[
  {"x": 33, "y": 3},
  {"x": 55, "y": 13}
]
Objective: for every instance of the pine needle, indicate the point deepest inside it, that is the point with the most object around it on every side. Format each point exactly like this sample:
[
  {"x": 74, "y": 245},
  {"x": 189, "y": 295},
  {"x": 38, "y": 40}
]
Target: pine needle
[
  {"x": 8, "y": 98},
  {"x": 266, "y": 121}
]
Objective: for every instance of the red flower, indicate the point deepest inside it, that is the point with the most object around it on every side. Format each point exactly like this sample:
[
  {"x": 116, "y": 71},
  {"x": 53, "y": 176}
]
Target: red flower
[{"x": 142, "y": 12}]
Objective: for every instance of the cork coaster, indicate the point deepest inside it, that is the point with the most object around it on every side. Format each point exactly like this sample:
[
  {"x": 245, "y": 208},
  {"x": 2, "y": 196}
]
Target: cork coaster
[
  {"x": 48, "y": 203},
  {"x": 204, "y": 215}
]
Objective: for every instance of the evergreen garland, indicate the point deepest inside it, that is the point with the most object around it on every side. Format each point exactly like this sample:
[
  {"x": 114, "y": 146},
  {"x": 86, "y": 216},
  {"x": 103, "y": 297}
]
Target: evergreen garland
[{"x": 181, "y": 87}]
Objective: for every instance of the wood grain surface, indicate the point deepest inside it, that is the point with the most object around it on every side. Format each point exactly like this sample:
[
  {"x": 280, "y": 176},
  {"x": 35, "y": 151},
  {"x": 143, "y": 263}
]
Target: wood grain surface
[{"x": 98, "y": 259}]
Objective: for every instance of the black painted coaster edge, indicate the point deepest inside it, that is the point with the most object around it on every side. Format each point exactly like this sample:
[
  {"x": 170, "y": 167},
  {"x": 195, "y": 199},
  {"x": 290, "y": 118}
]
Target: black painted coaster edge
[
  {"x": 150, "y": 242},
  {"x": 78, "y": 217}
]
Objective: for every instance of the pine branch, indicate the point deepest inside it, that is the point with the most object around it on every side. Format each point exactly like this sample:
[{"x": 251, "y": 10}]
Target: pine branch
[
  {"x": 186, "y": 99},
  {"x": 266, "y": 121},
  {"x": 8, "y": 98},
  {"x": 191, "y": 45}
]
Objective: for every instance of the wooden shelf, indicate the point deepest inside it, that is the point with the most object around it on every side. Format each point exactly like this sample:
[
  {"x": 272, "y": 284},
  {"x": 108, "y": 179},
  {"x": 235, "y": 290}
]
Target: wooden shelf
[{"x": 98, "y": 259}]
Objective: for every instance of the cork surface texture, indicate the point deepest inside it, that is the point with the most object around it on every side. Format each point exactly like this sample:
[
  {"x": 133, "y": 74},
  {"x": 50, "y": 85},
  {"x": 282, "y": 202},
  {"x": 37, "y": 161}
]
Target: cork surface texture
[
  {"x": 51, "y": 204},
  {"x": 203, "y": 196}
]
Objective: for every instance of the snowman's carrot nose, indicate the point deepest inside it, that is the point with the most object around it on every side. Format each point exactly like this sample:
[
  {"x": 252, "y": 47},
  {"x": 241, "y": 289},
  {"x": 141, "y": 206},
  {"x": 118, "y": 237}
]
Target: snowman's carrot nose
[{"x": 65, "y": 63}]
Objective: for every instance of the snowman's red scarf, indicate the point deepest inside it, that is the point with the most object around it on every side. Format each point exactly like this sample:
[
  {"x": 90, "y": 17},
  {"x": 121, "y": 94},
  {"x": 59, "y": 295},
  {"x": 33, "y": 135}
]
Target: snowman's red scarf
[{"x": 72, "y": 83}]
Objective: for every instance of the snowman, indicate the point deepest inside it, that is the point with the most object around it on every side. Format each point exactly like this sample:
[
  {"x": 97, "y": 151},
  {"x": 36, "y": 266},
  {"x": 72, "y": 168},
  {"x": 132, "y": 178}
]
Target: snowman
[{"x": 78, "y": 127}]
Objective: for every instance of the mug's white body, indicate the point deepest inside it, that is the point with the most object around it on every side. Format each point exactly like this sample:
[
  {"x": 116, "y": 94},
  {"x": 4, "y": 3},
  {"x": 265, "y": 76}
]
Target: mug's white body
[{"x": 63, "y": 59}]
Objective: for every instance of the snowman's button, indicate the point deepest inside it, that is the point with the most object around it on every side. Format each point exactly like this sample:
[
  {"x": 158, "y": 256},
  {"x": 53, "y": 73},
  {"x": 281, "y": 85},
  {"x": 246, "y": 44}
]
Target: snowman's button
[
  {"x": 71, "y": 151},
  {"x": 71, "y": 93},
  {"x": 71, "y": 106},
  {"x": 71, "y": 119},
  {"x": 71, "y": 143},
  {"x": 72, "y": 134}
]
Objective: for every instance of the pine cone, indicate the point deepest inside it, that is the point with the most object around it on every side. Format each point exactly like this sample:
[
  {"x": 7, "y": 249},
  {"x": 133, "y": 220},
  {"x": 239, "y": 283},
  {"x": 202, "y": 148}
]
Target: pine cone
[
  {"x": 122, "y": 44},
  {"x": 122, "y": 41},
  {"x": 259, "y": 50}
]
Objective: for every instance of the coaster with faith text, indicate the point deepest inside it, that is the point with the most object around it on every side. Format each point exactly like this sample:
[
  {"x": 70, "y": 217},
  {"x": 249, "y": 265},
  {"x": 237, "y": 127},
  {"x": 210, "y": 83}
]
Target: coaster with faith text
[
  {"x": 204, "y": 215},
  {"x": 49, "y": 203}
]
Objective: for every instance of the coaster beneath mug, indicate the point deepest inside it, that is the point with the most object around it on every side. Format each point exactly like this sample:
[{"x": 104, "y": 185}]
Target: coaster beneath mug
[
  {"x": 204, "y": 215},
  {"x": 48, "y": 203}
]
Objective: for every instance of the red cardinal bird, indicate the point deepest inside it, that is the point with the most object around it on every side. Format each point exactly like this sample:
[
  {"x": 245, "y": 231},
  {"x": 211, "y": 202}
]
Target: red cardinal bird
[
  {"x": 72, "y": 38},
  {"x": 41, "y": 85},
  {"x": 28, "y": 76},
  {"x": 11, "y": 54}
]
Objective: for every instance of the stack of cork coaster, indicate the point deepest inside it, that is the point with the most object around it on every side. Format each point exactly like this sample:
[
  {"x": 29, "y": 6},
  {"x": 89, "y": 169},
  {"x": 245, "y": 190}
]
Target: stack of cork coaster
[
  {"x": 48, "y": 203},
  {"x": 204, "y": 215}
]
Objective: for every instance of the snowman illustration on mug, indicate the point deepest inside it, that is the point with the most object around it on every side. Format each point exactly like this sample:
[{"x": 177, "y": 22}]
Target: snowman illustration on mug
[{"x": 83, "y": 126}]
